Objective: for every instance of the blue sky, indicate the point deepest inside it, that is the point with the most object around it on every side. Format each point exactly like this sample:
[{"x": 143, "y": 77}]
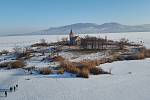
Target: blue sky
[{"x": 22, "y": 16}]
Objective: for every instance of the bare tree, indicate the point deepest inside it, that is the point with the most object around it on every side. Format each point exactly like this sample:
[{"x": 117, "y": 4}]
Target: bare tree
[
  {"x": 64, "y": 39},
  {"x": 4, "y": 52},
  {"x": 43, "y": 41},
  {"x": 17, "y": 49},
  {"x": 123, "y": 42}
]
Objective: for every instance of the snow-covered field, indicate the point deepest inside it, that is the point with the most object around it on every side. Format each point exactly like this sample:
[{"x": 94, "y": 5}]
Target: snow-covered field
[
  {"x": 119, "y": 86},
  {"x": 77, "y": 57},
  {"x": 9, "y": 42},
  {"x": 129, "y": 80}
]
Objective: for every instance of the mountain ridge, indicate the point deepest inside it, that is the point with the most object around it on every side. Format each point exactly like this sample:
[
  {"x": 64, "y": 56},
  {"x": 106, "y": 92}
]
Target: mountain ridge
[{"x": 91, "y": 28}]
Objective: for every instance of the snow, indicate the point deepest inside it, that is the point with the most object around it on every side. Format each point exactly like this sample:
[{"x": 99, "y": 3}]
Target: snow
[
  {"x": 77, "y": 57},
  {"x": 120, "y": 85},
  {"x": 9, "y": 42},
  {"x": 92, "y": 56},
  {"x": 9, "y": 77},
  {"x": 129, "y": 80},
  {"x": 37, "y": 64}
]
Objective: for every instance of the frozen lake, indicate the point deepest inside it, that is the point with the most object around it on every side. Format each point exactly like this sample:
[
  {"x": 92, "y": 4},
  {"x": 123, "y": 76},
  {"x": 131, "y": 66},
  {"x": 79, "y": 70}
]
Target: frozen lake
[
  {"x": 120, "y": 84},
  {"x": 9, "y": 42}
]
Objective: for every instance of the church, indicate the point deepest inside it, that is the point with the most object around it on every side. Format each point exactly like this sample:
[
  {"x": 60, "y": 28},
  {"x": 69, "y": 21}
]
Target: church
[{"x": 74, "y": 39}]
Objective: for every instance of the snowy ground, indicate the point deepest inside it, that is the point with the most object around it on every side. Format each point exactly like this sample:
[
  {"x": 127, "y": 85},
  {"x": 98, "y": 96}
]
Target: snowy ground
[
  {"x": 9, "y": 78},
  {"x": 129, "y": 80},
  {"x": 120, "y": 85},
  {"x": 77, "y": 57}
]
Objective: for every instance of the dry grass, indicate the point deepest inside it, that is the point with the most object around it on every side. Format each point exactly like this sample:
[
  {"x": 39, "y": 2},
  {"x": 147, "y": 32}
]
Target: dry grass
[
  {"x": 147, "y": 53},
  {"x": 96, "y": 71},
  {"x": 137, "y": 56},
  {"x": 45, "y": 71},
  {"x": 88, "y": 64},
  {"x": 59, "y": 58},
  {"x": 61, "y": 71},
  {"x": 84, "y": 73},
  {"x": 4, "y": 65},
  {"x": 141, "y": 55},
  {"x": 17, "y": 64},
  {"x": 4, "y": 52},
  {"x": 74, "y": 70},
  {"x": 69, "y": 67},
  {"x": 83, "y": 68},
  {"x": 116, "y": 57},
  {"x": 91, "y": 66},
  {"x": 13, "y": 64}
]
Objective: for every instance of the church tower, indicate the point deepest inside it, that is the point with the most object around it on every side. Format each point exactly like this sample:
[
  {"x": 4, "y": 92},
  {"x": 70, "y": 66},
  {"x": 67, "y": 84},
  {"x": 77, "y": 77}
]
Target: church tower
[{"x": 71, "y": 36}]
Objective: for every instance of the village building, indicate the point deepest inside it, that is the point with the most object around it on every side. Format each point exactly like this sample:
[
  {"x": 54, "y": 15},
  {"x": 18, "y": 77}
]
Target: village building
[
  {"x": 74, "y": 39},
  {"x": 97, "y": 43},
  {"x": 91, "y": 42}
]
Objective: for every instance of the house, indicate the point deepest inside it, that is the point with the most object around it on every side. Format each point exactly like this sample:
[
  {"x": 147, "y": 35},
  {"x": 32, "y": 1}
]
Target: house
[{"x": 73, "y": 39}]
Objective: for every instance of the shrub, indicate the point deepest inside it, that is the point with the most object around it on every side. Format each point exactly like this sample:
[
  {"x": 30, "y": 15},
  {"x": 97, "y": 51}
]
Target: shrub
[
  {"x": 61, "y": 71},
  {"x": 96, "y": 71},
  {"x": 98, "y": 62},
  {"x": 84, "y": 73},
  {"x": 88, "y": 64},
  {"x": 83, "y": 68},
  {"x": 4, "y": 52},
  {"x": 13, "y": 64},
  {"x": 91, "y": 66},
  {"x": 3, "y": 65},
  {"x": 59, "y": 58},
  {"x": 65, "y": 64},
  {"x": 17, "y": 64},
  {"x": 25, "y": 55},
  {"x": 45, "y": 71},
  {"x": 70, "y": 67},
  {"x": 141, "y": 56},
  {"x": 131, "y": 57},
  {"x": 135, "y": 56},
  {"x": 147, "y": 53},
  {"x": 74, "y": 70},
  {"x": 117, "y": 57},
  {"x": 103, "y": 61}
]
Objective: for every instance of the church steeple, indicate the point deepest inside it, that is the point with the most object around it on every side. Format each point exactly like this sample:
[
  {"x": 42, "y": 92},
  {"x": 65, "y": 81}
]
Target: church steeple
[
  {"x": 73, "y": 38},
  {"x": 71, "y": 33}
]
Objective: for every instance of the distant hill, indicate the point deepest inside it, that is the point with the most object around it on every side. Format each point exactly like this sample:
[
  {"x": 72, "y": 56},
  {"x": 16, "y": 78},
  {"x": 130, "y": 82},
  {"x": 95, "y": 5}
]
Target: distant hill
[{"x": 91, "y": 28}]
